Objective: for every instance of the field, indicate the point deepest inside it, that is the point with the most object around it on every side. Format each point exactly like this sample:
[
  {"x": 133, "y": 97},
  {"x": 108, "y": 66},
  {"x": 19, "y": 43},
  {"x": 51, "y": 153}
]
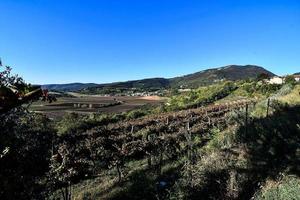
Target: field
[{"x": 93, "y": 104}]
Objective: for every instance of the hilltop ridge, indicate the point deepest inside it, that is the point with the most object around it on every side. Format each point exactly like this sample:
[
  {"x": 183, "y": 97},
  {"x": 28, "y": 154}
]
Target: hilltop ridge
[{"x": 205, "y": 77}]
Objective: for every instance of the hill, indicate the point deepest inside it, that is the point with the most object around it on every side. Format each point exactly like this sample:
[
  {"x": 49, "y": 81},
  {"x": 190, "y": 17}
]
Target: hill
[
  {"x": 69, "y": 87},
  {"x": 141, "y": 84},
  {"x": 297, "y": 73},
  {"x": 206, "y": 77},
  {"x": 231, "y": 72}
]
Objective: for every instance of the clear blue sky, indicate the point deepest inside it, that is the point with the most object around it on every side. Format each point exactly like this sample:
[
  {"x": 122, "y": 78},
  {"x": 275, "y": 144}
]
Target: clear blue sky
[{"x": 61, "y": 41}]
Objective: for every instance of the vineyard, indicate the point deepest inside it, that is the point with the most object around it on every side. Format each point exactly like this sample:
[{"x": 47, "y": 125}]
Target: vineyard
[
  {"x": 155, "y": 138},
  {"x": 195, "y": 145}
]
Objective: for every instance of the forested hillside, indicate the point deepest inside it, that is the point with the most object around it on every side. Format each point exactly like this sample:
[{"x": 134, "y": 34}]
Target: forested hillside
[{"x": 202, "y": 78}]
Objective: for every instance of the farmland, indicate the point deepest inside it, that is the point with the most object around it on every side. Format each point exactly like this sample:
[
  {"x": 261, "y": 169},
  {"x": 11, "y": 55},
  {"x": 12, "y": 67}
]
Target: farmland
[{"x": 85, "y": 104}]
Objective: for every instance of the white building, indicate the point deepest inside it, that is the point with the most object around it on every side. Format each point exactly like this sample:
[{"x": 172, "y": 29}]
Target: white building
[
  {"x": 297, "y": 78},
  {"x": 276, "y": 80}
]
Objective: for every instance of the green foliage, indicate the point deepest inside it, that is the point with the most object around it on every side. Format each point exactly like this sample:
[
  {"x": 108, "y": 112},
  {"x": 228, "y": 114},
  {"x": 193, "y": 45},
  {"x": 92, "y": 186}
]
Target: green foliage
[
  {"x": 73, "y": 123},
  {"x": 220, "y": 140},
  {"x": 258, "y": 89},
  {"x": 261, "y": 107},
  {"x": 26, "y": 140},
  {"x": 201, "y": 96},
  {"x": 290, "y": 80},
  {"x": 8, "y": 79},
  {"x": 134, "y": 114},
  {"x": 29, "y": 139}
]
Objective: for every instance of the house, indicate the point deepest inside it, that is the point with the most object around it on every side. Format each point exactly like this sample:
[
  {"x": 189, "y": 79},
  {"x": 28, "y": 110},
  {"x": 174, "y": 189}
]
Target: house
[
  {"x": 276, "y": 80},
  {"x": 297, "y": 78}
]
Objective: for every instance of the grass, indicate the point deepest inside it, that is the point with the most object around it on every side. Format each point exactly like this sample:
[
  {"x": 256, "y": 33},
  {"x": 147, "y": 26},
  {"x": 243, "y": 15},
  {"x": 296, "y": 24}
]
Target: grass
[
  {"x": 293, "y": 98},
  {"x": 141, "y": 181},
  {"x": 285, "y": 187},
  {"x": 234, "y": 163}
]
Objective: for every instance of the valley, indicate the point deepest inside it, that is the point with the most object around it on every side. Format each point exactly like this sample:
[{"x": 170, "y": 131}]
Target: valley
[
  {"x": 217, "y": 141},
  {"x": 149, "y": 100},
  {"x": 88, "y": 104}
]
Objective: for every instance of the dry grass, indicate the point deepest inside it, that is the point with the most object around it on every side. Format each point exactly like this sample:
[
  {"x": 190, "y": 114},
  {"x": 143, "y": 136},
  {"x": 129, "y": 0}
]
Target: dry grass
[
  {"x": 293, "y": 98},
  {"x": 286, "y": 187}
]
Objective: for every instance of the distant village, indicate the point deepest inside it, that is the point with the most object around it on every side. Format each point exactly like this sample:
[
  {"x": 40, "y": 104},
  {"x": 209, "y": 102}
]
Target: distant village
[
  {"x": 161, "y": 92},
  {"x": 139, "y": 94}
]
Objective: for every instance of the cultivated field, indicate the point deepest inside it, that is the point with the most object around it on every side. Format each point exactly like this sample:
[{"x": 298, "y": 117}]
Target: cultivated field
[{"x": 92, "y": 104}]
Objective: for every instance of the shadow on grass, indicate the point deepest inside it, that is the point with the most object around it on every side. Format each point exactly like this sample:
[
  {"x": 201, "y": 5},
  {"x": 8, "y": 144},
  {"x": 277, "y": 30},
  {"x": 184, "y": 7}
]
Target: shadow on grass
[
  {"x": 272, "y": 146},
  {"x": 144, "y": 184}
]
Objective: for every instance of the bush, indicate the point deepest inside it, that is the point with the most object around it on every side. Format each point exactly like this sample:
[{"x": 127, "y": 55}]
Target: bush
[
  {"x": 22, "y": 170},
  {"x": 201, "y": 96},
  {"x": 134, "y": 114},
  {"x": 290, "y": 80}
]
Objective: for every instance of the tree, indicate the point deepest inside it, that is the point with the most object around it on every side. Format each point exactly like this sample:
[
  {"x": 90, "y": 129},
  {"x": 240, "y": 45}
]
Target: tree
[
  {"x": 25, "y": 140},
  {"x": 262, "y": 76},
  {"x": 14, "y": 91}
]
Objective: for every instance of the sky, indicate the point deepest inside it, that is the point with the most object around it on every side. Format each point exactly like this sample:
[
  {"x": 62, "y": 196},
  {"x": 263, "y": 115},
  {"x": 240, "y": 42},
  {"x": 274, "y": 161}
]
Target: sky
[{"x": 101, "y": 41}]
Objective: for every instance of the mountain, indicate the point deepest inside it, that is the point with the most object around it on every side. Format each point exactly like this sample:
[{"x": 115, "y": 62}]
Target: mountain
[
  {"x": 150, "y": 84},
  {"x": 69, "y": 87},
  {"x": 205, "y": 77},
  {"x": 143, "y": 83},
  {"x": 297, "y": 73},
  {"x": 230, "y": 72}
]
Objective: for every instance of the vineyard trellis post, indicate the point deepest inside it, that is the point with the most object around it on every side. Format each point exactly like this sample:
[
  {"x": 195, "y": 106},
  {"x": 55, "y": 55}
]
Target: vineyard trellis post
[
  {"x": 150, "y": 140},
  {"x": 268, "y": 106},
  {"x": 190, "y": 155},
  {"x": 246, "y": 120}
]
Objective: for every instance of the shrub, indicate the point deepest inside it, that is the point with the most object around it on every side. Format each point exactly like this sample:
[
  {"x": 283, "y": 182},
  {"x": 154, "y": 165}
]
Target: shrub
[{"x": 134, "y": 114}]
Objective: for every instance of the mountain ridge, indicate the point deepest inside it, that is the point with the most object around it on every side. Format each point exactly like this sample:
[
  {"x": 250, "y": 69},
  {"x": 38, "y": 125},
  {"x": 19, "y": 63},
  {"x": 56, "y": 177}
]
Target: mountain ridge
[
  {"x": 68, "y": 87},
  {"x": 204, "y": 77}
]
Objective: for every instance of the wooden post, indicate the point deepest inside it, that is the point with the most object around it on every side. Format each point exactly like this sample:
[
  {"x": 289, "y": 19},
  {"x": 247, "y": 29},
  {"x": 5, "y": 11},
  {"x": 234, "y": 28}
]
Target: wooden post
[
  {"x": 150, "y": 153},
  {"x": 246, "y": 120},
  {"x": 268, "y": 105},
  {"x": 132, "y": 127},
  {"x": 52, "y": 145},
  {"x": 189, "y": 152}
]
